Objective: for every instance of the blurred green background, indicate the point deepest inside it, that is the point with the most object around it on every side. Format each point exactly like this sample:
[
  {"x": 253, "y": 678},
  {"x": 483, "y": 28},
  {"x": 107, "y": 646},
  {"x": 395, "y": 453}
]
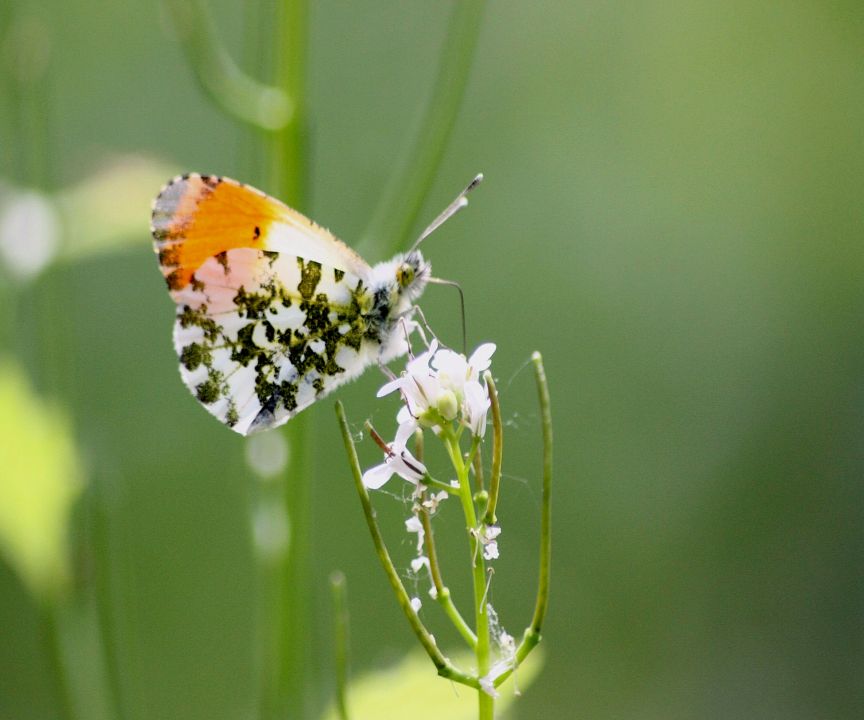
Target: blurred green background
[{"x": 672, "y": 214}]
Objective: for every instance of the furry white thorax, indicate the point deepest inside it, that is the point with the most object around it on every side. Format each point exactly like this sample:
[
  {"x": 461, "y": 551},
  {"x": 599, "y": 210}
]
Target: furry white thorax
[{"x": 394, "y": 299}]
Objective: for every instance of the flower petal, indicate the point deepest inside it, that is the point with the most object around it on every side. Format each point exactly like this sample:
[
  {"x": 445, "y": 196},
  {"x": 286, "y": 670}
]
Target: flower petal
[
  {"x": 406, "y": 466},
  {"x": 405, "y": 431},
  {"x": 475, "y": 405},
  {"x": 375, "y": 477},
  {"x": 481, "y": 358},
  {"x": 490, "y": 551},
  {"x": 419, "y": 563},
  {"x": 389, "y": 387}
]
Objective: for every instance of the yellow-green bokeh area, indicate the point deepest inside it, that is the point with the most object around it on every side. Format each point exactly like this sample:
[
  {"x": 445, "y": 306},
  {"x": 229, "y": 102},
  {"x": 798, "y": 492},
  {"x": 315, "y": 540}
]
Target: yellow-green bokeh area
[{"x": 672, "y": 214}]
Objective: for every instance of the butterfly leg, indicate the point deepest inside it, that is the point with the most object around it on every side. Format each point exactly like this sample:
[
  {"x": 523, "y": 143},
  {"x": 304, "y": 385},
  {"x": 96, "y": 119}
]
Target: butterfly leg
[{"x": 421, "y": 325}]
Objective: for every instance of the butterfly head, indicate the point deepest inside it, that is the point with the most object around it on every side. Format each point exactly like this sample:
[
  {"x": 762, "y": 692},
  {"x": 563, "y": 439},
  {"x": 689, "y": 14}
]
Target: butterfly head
[{"x": 412, "y": 274}]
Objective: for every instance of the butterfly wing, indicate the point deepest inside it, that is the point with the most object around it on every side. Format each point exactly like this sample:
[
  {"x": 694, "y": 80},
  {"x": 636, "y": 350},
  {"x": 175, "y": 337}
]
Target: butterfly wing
[
  {"x": 196, "y": 217},
  {"x": 271, "y": 308}
]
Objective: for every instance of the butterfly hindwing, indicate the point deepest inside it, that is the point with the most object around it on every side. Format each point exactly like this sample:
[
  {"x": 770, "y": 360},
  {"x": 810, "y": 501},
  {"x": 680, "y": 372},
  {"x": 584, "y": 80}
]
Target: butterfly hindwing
[{"x": 262, "y": 335}]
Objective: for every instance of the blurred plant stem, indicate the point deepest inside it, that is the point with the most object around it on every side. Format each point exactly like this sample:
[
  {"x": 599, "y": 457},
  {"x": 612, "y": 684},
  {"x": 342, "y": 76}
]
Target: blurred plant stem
[
  {"x": 29, "y": 327},
  {"x": 235, "y": 93},
  {"x": 391, "y": 223},
  {"x": 52, "y": 619},
  {"x": 287, "y": 151},
  {"x": 340, "y": 632},
  {"x": 276, "y": 114},
  {"x": 25, "y": 53},
  {"x": 288, "y": 176},
  {"x": 98, "y": 524}
]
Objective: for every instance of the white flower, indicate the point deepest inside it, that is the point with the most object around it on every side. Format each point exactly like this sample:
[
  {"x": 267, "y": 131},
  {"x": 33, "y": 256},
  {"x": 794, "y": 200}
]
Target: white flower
[
  {"x": 419, "y": 387},
  {"x": 419, "y": 563},
  {"x": 432, "y": 502},
  {"x": 441, "y": 385},
  {"x": 398, "y": 461},
  {"x": 487, "y": 535},
  {"x": 413, "y": 525},
  {"x": 416, "y": 604},
  {"x": 454, "y": 371},
  {"x": 475, "y": 405}
]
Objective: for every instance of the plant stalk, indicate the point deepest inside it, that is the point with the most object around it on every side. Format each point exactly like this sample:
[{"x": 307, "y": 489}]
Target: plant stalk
[
  {"x": 445, "y": 668},
  {"x": 497, "y": 451},
  {"x": 485, "y": 702},
  {"x": 402, "y": 199},
  {"x": 287, "y": 696},
  {"x": 532, "y": 634},
  {"x": 340, "y": 625}
]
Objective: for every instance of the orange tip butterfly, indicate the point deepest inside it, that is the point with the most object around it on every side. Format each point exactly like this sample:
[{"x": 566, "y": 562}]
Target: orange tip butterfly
[{"x": 273, "y": 312}]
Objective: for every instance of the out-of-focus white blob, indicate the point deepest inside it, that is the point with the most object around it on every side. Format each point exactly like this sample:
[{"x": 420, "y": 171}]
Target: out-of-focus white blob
[
  {"x": 29, "y": 232},
  {"x": 270, "y": 531},
  {"x": 267, "y": 454}
]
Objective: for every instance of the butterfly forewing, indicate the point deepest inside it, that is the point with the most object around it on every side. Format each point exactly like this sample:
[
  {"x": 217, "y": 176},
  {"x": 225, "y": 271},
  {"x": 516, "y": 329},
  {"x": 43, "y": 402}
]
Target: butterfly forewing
[{"x": 196, "y": 217}]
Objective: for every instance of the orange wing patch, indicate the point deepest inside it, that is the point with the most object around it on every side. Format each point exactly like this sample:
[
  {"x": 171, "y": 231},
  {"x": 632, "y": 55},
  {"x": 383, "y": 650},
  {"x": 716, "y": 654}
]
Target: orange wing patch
[{"x": 197, "y": 217}]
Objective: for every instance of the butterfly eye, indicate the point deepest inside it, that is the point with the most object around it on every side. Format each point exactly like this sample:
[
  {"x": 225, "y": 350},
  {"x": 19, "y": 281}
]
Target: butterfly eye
[{"x": 405, "y": 275}]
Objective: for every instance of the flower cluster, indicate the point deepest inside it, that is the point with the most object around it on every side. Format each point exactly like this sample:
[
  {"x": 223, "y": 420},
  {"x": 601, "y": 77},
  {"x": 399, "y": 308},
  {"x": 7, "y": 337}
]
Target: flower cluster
[
  {"x": 451, "y": 395},
  {"x": 438, "y": 388}
]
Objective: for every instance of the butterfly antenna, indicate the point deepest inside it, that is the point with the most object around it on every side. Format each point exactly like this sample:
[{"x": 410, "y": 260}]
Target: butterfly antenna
[
  {"x": 460, "y": 202},
  {"x": 451, "y": 283}
]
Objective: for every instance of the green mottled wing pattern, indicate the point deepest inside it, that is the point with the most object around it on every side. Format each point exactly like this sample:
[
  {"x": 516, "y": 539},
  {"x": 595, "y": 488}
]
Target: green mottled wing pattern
[{"x": 262, "y": 335}]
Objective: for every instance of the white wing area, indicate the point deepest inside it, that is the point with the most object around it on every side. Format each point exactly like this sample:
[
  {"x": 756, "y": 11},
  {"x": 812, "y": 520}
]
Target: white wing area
[
  {"x": 261, "y": 336},
  {"x": 296, "y": 235}
]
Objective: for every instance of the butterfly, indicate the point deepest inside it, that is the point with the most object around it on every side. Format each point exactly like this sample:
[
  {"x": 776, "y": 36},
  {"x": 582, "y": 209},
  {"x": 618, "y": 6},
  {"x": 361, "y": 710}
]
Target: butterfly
[{"x": 273, "y": 312}]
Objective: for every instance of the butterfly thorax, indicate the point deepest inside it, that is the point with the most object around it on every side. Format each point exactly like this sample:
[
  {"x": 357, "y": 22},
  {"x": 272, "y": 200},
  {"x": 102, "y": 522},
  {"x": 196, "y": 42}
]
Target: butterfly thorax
[{"x": 395, "y": 285}]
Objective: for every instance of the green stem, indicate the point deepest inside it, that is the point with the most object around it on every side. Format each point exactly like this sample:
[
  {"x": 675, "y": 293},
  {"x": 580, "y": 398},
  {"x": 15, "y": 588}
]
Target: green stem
[
  {"x": 486, "y": 703},
  {"x": 445, "y": 668},
  {"x": 238, "y": 95},
  {"x": 532, "y": 634},
  {"x": 287, "y": 179},
  {"x": 286, "y": 631},
  {"x": 406, "y": 190},
  {"x": 442, "y": 592},
  {"x": 52, "y": 618},
  {"x": 546, "y": 512},
  {"x": 431, "y": 482},
  {"x": 288, "y": 145},
  {"x": 95, "y": 500},
  {"x": 497, "y": 450},
  {"x": 477, "y": 464},
  {"x": 340, "y": 624}
]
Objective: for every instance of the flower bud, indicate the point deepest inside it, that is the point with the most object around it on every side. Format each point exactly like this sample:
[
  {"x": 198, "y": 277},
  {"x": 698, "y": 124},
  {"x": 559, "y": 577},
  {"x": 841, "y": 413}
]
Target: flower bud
[{"x": 447, "y": 404}]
